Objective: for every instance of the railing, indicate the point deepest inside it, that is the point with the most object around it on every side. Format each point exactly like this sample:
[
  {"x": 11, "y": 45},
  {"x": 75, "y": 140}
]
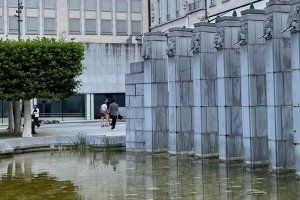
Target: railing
[
  {"x": 168, "y": 17},
  {"x": 195, "y": 6}
]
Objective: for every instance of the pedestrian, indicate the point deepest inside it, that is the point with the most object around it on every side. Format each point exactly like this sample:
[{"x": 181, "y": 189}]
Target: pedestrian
[
  {"x": 104, "y": 113},
  {"x": 114, "y": 112},
  {"x": 35, "y": 116}
]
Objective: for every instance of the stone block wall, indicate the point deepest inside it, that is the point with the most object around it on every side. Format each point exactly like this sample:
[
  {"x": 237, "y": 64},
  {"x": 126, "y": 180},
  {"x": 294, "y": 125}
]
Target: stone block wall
[
  {"x": 135, "y": 120},
  {"x": 204, "y": 72}
]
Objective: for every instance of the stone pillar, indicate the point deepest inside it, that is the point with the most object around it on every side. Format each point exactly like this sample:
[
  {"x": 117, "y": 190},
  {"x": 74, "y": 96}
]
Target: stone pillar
[
  {"x": 156, "y": 92},
  {"x": 204, "y": 72},
  {"x": 229, "y": 89},
  {"x": 134, "y": 91},
  {"x": 292, "y": 25},
  {"x": 253, "y": 83},
  {"x": 181, "y": 135},
  {"x": 279, "y": 86}
]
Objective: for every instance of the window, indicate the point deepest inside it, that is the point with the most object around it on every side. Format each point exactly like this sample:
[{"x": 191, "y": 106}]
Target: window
[
  {"x": 13, "y": 24},
  {"x": 121, "y": 6},
  {"x": 136, "y": 6},
  {"x": 121, "y": 27},
  {"x": 90, "y": 4},
  {"x": 49, "y": 4},
  {"x": 32, "y": 3},
  {"x": 106, "y": 26},
  {"x": 177, "y": 8},
  {"x": 32, "y": 25},
  {"x": 74, "y": 4},
  {"x": 212, "y": 2},
  {"x": 1, "y": 3},
  {"x": 168, "y": 10},
  {"x": 1, "y": 24},
  {"x": 49, "y": 26},
  {"x": 106, "y": 5},
  {"x": 74, "y": 26},
  {"x": 90, "y": 26},
  {"x": 159, "y": 10},
  {"x": 136, "y": 27},
  {"x": 13, "y": 3}
]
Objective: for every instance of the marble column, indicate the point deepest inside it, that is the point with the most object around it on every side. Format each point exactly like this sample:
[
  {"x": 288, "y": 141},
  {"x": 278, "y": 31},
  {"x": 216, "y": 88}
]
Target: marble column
[
  {"x": 279, "y": 86},
  {"x": 204, "y": 68},
  {"x": 134, "y": 94},
  {"x": 292, "y": 27},
  {"x": 229, "y": 89},
  {"x": 156, "y": 92},
  {"x": 253, "y": 83},
  {"x": 181, "y": 135}
]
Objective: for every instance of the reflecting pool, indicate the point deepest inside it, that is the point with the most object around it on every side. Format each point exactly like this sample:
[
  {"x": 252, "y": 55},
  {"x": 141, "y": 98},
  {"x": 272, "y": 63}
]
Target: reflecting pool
[{"x": 88, "y": 176}]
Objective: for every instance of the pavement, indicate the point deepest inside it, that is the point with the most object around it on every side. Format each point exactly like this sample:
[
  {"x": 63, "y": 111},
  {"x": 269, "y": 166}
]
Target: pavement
[{"x": 70, "y": 129}]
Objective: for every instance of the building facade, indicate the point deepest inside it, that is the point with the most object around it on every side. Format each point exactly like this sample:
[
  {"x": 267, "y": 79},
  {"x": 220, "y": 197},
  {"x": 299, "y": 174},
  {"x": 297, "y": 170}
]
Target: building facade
[
  {"x": 104, "y": 26},
  {"x": 166, "y": 14}
]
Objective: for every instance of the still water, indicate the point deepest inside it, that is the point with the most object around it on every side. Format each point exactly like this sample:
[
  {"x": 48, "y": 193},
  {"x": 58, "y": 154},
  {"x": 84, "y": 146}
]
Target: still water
[{"x": 87, "y": 176}]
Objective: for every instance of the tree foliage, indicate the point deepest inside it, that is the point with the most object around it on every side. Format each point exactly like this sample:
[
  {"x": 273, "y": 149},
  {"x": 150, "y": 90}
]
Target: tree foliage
[{"x": 40, "y": 68}]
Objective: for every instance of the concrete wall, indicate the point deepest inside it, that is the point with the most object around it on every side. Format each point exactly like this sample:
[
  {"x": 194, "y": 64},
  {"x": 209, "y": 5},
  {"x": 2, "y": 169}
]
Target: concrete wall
[{"x": 106, "y": 66}]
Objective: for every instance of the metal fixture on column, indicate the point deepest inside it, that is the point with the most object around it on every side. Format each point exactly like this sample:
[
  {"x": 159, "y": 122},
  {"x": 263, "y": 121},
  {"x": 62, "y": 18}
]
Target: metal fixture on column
[{"x": 18, "y": 15}]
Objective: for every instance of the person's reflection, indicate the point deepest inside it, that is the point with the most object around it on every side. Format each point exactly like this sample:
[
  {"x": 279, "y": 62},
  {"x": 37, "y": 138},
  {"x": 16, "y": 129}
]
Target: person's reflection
[
  {"x": 115, "y": 168},
  {"x": 18, "y": 170},
  {"x": 9, "y": 170},
  {"x": 27, "y": 171}
]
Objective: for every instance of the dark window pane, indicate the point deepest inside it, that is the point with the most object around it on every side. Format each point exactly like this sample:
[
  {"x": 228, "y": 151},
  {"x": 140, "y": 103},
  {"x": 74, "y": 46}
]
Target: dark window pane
[
  {"x": 121, "y": 100},
  {"x": 74, "y": 107}
]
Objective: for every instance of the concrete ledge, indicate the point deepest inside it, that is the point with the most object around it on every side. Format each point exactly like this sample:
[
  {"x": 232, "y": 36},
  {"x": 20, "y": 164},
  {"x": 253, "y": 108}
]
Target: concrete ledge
[{"x": 10, "y": 146}]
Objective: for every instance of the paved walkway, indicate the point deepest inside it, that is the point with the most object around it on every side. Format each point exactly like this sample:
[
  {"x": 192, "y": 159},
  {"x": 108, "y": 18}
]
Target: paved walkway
[{"x": 71, "y": 129}]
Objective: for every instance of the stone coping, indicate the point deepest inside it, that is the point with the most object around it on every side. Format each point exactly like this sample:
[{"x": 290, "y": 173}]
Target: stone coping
[{"x": 10, "y": 146}]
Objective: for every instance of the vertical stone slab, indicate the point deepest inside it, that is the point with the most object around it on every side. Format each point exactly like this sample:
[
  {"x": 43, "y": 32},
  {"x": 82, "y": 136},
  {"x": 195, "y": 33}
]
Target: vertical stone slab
[
  {"x": 229, "y": 89},
  {"x": 204, "y": 70},
  {"x": 156, "y": 92},
  {"x": 134, "y": 94},
  {"x": 292, "y": 26},
  {"x": 253, "y": 83},
  {"x": 279, "y": 86},
  {"x": 181, "y": 135}
]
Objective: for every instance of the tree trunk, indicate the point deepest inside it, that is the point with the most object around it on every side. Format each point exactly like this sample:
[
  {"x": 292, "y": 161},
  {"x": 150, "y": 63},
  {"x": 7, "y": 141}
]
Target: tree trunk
[
  {"x": 27, "y": 119},
  {"x": 10, "y": 116},
  {"x": 17, "y": 117}
]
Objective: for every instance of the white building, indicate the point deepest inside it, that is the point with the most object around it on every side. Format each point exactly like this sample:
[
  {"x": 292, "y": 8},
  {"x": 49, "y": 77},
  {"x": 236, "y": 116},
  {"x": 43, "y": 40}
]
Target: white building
[
  {"x": 104, "y": 27},
  {"x": 166, "y": 14}
]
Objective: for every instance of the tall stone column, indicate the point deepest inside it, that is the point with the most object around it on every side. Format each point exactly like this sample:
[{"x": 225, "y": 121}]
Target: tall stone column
[
  {"x": 253, "y": 83},
  {"x": 292, "y": 26},
  {"x": 229, "y": 89},
  {"x": 134, "y": 91},
  {"x": 204, "y": 68},
  {"x": 181, "y": 135},
  {"x": 279, "y": 86},
  {"x": 155, "y": 92}
]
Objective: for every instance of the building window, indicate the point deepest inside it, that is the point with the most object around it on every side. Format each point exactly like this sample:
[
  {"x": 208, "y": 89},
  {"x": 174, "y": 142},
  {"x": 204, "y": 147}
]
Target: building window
[
  {"x": 32, "y": 25},
  {"x": 1, "y": 24},
  {"x": 106, "y": 5},
  {"x": 106, "y": 27},
  {"x": 0, "y": 3},
  {"x": 49, "y": 4},
  {"x": 12, "y": 25},
  {"x": 13, "y": 3},
  {"x": 90, "y": 27},
  {"x": 121, "y": 27},
  {"x": 121, "y": 6},
  {"x": 168, "y": 10},
  {"x": 212, "y": 2},
  {"x": 159, "y": 10},
  {"x": 74, "y": 26},
  {"x": 177, "y": 8},
  {"x": 49, "y": 26},
  {"x": 136, "y": 27},
  {"x": 136, "y": 6},
  {"x": 90, "y": 4},
  {"x": 32, "y": 4},
  {"x": 74, "y": 4}
]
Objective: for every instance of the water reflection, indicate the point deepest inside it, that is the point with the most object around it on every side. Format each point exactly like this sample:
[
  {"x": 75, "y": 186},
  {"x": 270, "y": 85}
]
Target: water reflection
[{"x": 118, "y": 176}]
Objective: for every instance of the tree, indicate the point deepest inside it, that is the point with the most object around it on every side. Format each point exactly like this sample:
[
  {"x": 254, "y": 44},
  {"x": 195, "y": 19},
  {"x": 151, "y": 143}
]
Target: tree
[{"x": 39, "y": 68}]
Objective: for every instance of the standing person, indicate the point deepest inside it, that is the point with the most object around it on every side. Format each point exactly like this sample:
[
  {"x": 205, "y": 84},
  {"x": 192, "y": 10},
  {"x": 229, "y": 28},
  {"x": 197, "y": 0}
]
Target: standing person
[
  {"x": 104, "y": 113},
  {"x": 113, "y": 111},
  {"x": 35, "y": 116}
]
